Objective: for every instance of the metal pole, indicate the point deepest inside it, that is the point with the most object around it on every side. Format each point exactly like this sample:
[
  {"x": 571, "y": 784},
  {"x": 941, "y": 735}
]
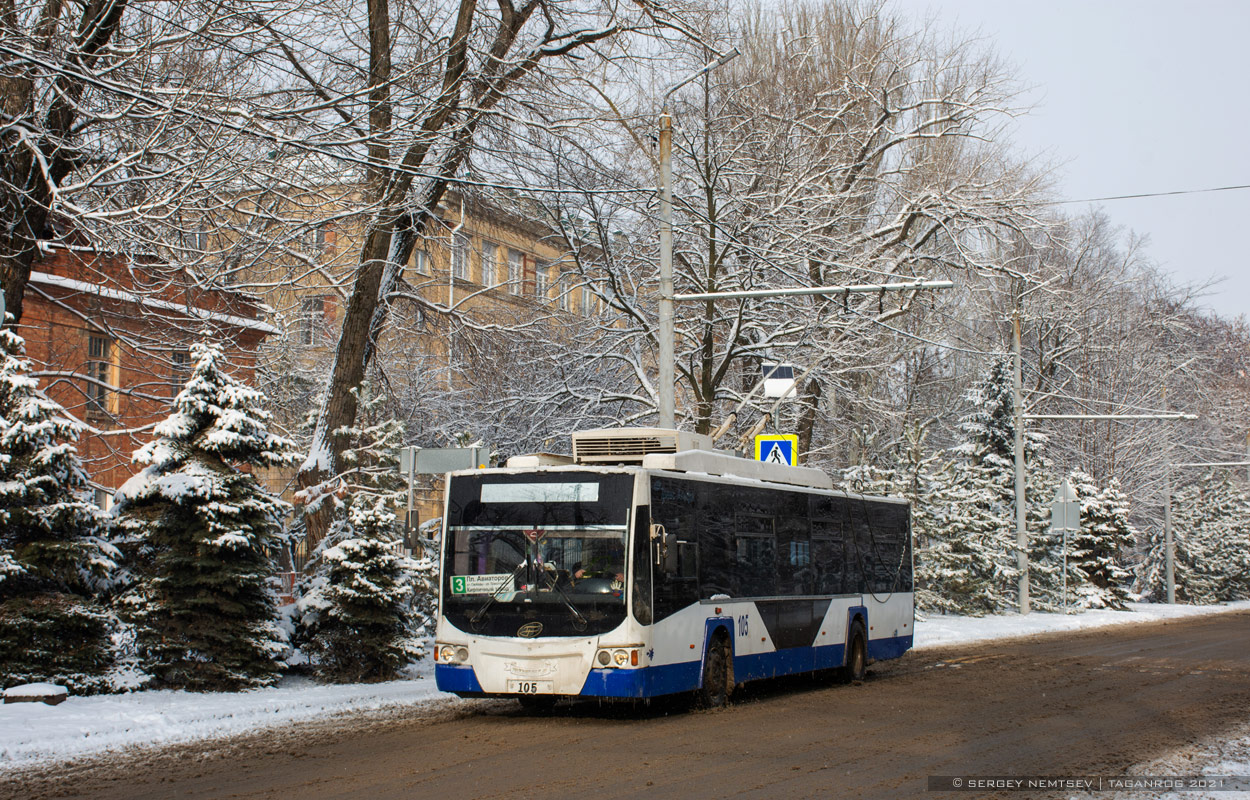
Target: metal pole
[
  {"x": 409, "y": 534},
  {"x": 1065, "y": 565},
  {"x": 1169, "y": 556},
  {"x": 1022, "y": 538},
  {"x": 667, "y": 356}
]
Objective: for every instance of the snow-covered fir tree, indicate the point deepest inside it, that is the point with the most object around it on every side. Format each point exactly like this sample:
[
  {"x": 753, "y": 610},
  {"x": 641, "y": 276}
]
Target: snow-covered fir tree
[
  {"x": 200, "y": 532},
  {"x": 363, "y": 608},
  {"x": 989, "y": 447},
  {"x": 1211, "y": 533},
  {"x": 1098, "y": 548},
  {"x": 355, "y": 618},
  {"x": 959, "y": 558},
  {"x": 53, "y": 549}
]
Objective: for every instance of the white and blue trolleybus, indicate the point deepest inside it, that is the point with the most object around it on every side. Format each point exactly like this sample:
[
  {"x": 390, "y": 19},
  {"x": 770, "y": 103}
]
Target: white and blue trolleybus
[{"x": 650, "y": 564}]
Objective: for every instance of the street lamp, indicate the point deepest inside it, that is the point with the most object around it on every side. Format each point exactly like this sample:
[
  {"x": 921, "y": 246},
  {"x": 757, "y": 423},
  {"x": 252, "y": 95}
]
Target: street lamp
[{"x": 667, "y": 334}]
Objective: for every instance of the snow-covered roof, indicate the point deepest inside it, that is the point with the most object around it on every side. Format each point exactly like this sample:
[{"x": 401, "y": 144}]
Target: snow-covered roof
[{"x": 47, "y": 279}]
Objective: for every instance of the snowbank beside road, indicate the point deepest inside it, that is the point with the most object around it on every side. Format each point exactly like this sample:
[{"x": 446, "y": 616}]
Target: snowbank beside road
[
  {"x": 939, "y": 631},
  {"x": 82, "y": 726},
  {"x": 34, "y": 733}
]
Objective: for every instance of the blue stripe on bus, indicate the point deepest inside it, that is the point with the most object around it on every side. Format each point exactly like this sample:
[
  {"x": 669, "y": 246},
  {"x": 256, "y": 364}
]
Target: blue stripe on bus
[
  {"x": 684, "y": 677},
  {"x": 455, "y": 679},
  {"x": 890, "y": 647},
  {"x": 674, "y": 678}
]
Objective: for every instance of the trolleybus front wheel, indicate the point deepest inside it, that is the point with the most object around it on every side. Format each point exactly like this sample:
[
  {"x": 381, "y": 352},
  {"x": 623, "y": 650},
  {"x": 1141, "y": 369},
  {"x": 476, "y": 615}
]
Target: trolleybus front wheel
[{"x": 717, "y": 674}]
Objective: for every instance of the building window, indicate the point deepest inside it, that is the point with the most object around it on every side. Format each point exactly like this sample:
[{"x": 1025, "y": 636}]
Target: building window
[
  {"x": 588, "y": 300},
  {"x": 99, "y": 369},
  {"x": 199, "y": 241},
  {"x": 315, "y": 239},
  {"x": 179, "y": 370},
  {"x": 542, "y": 279},
  {"x": 516, "y": 271},
  {"x": 460, "y": 257},
  {"x": 490, "y": 264},
  {"x": 311, "y": 309},
  {"x": 566, "y": 292},
  {"x": 420, "y": 262}
]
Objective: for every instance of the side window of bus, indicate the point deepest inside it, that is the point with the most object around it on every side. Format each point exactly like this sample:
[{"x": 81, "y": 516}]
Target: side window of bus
[
  {"x": 642, "y": 565},
  {"x": 715, "y": 538},
  {"x": 856, "y": 543},
  {"x": 674, "y": 504},
  {"x": 755, "y": 551},
  {"x": 827, "y": 556},
  {"x": 796, "y": 575},
  {"x": 891, "y": 560}
]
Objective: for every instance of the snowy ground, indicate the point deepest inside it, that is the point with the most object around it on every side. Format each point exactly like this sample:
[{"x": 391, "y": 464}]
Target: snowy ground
[
  {"x": 34, "y": 733},
  {"x": 936, "y": 630}
]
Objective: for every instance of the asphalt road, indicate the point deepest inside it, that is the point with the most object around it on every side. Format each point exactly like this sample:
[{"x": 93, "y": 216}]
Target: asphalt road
[{"x": 1095, "y": 702}]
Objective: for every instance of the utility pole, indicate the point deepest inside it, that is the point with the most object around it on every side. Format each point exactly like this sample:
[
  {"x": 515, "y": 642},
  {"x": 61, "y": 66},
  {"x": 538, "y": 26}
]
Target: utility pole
[
  {"x": 666, "y": 335},
  {"x": 1017, "y": 401},
  {"x": 1169, "y": 565}
]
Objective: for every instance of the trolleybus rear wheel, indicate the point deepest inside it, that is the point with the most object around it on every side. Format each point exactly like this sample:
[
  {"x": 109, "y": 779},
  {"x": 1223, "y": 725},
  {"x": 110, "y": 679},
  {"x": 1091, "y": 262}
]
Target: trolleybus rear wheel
[{"x": 856, "y": 654}]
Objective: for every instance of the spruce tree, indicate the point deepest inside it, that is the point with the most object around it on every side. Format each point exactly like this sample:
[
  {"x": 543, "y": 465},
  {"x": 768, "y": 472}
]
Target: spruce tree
[
  {"x": 363, "y": 607},
  {"x": 53, "y": 552},
  {"x": 201, "y": 532},
  {"x": 354, "y": 618},
  {"x": 989, "y": 447},
  {"x": 1096, "y": 549},
  {"x": 958, "y": 567}
]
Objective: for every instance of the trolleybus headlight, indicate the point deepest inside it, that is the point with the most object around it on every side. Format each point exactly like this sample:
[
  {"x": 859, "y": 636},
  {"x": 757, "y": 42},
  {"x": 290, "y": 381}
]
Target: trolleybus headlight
[
  {"x": 605, "y": 658},
  {"x": 462, "y": 654},
  {"x": 620, "y": 657},
  {"x": 447, "y": 654}
]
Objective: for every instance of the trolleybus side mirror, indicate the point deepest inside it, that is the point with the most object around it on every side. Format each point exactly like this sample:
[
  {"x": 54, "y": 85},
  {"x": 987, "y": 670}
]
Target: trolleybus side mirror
[{"x": 664, "y": 545}]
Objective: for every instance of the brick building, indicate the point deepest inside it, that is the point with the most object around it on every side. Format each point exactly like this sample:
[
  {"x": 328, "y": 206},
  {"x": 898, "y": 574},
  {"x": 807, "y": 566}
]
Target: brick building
[{"x": 109, "y": 336}]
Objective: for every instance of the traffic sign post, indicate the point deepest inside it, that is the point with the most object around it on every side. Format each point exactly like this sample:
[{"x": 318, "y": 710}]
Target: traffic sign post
[
  {"x": 415, "y": 461},
  {"x": 1065, "y": 516},
  {"x": 772, "y": 448}
]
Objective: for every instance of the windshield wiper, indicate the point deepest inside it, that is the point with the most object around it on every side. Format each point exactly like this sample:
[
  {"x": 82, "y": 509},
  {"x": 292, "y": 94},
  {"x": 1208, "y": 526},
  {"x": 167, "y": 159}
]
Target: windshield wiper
[
  {"x": 555, "y": 584},
  {"x": 477, "y": 617}
]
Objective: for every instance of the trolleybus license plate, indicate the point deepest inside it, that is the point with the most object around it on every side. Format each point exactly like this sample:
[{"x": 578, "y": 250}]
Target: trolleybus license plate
[{"x": 532, "y": 687}]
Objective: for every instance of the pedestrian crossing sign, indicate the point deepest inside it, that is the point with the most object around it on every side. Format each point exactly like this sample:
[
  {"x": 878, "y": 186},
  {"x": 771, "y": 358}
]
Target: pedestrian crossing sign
[{"x": 777, "y": 448}]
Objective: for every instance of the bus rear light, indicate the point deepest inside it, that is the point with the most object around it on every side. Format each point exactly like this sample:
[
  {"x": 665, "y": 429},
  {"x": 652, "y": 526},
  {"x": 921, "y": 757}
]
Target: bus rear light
[
  {"x": 451, "y": 654},
  {"x": 633, "y": 658},
  {"x": 447, "y": 653},
  {"x": 620, "y": 657},
  {"x": 604, "y": 658},
  {"x": 462, "y": 654}
]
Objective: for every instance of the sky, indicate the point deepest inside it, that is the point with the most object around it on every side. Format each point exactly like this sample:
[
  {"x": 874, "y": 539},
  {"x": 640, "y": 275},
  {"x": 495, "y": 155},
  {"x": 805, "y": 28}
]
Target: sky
[{"x": 1131, "y": 97}]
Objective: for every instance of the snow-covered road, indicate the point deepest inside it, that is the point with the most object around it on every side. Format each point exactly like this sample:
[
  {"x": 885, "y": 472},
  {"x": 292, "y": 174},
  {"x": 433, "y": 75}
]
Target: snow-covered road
[{"x": 33, "y": 734}]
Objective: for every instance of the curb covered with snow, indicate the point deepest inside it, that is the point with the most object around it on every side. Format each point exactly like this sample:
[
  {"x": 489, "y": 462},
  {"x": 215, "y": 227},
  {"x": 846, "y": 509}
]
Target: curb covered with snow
[{"x": 33, "y": 733}]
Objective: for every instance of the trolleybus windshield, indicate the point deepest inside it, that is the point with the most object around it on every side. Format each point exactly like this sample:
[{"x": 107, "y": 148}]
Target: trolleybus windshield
[{"x": 536, "y": 555}]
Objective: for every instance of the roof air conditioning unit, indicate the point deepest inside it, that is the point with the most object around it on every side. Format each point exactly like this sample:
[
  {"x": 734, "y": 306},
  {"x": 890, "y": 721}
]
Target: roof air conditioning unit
[{"x": 629, "y": 445}]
